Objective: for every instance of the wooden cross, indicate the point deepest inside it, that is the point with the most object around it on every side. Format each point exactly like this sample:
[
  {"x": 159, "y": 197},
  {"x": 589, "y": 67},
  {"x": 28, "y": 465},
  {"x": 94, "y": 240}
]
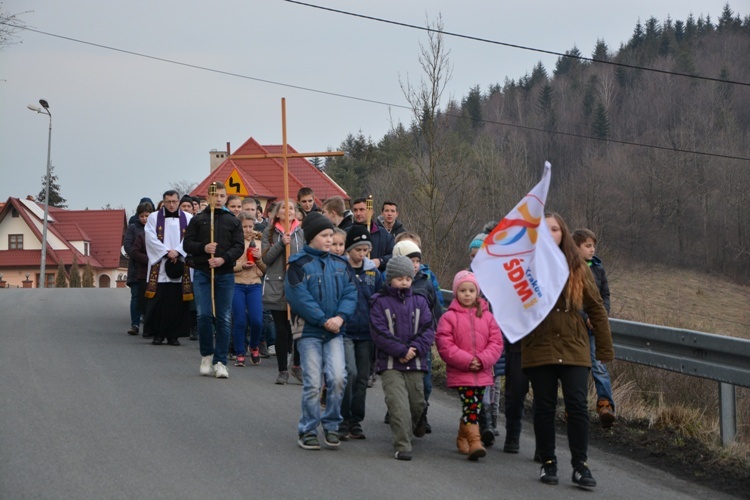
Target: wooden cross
[{"x": 285, "y": 155}]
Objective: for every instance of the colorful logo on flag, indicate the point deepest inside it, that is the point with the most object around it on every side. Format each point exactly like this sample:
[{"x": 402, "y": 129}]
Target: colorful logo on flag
[{"x": 510, "y": 231}]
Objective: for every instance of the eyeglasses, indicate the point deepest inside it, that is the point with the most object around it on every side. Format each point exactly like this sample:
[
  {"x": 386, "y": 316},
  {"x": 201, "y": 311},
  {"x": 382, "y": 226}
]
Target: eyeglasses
[{"x": 171, "y": 201}]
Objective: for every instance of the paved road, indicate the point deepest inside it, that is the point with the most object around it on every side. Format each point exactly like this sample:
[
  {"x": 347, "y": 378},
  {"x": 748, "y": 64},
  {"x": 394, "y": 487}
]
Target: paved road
[{"x": 90, "y": 412}]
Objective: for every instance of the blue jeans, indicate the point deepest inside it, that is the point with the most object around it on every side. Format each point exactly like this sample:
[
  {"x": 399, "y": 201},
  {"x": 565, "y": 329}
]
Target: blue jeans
[
  {"x": 269, "y": 328},
  {"x": 320, "y": 358},
  {"x": 247, "y": 307},
  {"x": 358, "y": 356},
  {"x": 135, "y": 314},
  {"x": 601, "y": 376},
  {"x": 223, "y": 294}
]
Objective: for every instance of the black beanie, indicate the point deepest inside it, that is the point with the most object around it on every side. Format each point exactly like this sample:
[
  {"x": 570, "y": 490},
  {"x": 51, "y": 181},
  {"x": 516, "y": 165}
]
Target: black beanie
[
  {"x": 357, "y": 235},
  {"x": 314, "y": 223},
  {"x": 186, "y": 199}
]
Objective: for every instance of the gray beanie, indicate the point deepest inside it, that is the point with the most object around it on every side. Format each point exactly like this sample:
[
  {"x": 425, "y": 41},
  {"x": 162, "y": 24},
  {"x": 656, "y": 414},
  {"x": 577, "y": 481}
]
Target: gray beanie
[{"x": 398, "y": 266}]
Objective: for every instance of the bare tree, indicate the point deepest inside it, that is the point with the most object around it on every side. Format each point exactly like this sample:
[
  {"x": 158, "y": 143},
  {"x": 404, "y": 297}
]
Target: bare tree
[
  {"x": 183, "y": 187},
  {"x": 10, "y": 25}
]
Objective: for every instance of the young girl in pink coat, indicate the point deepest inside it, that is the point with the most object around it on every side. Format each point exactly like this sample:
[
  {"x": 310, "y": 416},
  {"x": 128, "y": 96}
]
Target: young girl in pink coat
[{"x": 470, "y": 343}]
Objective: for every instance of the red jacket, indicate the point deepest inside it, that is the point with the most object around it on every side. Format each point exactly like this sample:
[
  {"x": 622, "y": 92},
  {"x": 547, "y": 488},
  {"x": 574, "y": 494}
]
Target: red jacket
[{"x": 461, "y": 336}]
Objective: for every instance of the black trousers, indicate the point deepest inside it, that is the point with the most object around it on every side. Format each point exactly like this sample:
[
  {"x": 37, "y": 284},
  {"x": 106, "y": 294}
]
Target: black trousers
[
  {"x": 516, "y": 388},
  {"x": 574, "y": 381},
  {"x": 283, "y": 339}
]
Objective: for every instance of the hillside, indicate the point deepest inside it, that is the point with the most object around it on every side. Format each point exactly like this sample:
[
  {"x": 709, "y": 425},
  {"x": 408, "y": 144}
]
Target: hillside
[{"x": 656, "y": 163}]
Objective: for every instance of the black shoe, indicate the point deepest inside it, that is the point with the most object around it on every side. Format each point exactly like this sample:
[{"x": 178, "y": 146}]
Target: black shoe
[
  {"x": 548, "y": 472},
  {"x": 193, "y": 335},
  {"x": 387, "y": 418},
  {"x": 487, "y": 437},
  {"x": 512, "y": 445},
  {"x": 263, "y": 350},
  {"x": 157, "y": 341},
  {"x": 427, "y": 426},
  {"x": 356, "y": 432},
  {"x": 582, "y": 476},
  {"x": 173, "y": 342},
  {"x": 403, "y": 455}
]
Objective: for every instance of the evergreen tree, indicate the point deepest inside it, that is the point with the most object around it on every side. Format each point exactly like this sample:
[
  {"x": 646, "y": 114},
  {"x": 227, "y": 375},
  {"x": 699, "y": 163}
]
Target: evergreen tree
[
  {"x": 679, "y": 31},
  {"x": 726, "y": 21},
  {"x": 538, "y": 75},
  {"x": 601, "y": 51},
  {"x": 55, "y": 199},
  {"x": 691, "y": 29},
  {"x": 60, "y": 279},
  {"x": 318, "y": 163},
  {"x": 472, "y": 105},
  {"x": 88, "y": 276},
  {"x": 566, "y": 63},
  {"x": 75, "y": 274},
  {"x": 600, "y": 125},
  {"x": 638, "y": 36},
  {"x": 589, "y": 97}
]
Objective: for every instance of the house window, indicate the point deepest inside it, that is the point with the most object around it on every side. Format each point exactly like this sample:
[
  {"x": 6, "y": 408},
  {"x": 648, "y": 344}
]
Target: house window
[
  {"x": 86, "y": 248},
  {"x": 15, "y": 242},
  {"x": 14, "y": 212},
  {"x": 49, "y": 282}
]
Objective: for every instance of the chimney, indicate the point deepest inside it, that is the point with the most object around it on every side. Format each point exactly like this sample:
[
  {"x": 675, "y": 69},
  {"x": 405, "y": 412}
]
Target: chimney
[{"x": 216, "y": 158}]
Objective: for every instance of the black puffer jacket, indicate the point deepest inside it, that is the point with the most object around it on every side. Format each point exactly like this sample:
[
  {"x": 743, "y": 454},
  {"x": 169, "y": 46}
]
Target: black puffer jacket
[{"x": 227, "y": 233}]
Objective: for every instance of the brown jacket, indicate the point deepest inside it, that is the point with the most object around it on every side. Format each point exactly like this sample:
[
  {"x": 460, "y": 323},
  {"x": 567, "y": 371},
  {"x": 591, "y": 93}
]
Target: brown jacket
[
  {"x": 562, "y": 337},
  {"x": 249, "y": 276}
]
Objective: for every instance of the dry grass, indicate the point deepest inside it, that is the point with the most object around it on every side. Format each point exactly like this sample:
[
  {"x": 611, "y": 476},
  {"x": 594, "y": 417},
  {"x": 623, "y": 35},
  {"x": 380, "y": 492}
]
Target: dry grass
[{"x": 681, "y": 299}]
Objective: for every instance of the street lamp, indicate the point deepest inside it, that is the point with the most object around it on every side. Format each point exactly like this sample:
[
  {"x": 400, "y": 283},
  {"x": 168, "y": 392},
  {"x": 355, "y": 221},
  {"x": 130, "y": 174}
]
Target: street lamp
[{"x": 45, "y": 111}]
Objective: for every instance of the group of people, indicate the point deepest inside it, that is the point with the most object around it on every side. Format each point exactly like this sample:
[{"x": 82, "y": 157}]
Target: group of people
[{"x": 345, "y": 296}]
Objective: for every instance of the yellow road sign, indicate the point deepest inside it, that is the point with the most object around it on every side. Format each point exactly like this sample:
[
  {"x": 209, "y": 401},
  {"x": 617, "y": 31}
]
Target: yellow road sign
[{"x": 235, "y": 185}]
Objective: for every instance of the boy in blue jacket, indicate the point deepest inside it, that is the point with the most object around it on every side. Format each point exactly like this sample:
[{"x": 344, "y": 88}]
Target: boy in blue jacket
[
  {"x": 319, "y": 291},
  {"x": 357, "y": 341}
]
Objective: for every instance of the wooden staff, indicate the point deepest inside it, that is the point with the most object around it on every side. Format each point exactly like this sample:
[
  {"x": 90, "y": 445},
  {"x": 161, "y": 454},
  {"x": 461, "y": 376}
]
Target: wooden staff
[
  {"x": 211, "y": 203},
  {"x": 370, "y": 209}
]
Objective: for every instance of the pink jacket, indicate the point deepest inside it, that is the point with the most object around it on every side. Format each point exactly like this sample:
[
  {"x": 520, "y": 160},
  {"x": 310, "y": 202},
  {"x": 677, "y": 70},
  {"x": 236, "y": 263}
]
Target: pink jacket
[{"x": 461, "y": 336}]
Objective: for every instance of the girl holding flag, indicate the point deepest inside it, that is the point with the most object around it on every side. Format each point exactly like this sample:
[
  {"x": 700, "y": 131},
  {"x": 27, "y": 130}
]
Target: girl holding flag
[{"x": 558, "y": 350}]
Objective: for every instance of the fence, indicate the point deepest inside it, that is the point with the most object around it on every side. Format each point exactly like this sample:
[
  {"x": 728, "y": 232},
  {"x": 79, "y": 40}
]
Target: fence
[{"x": 725, "y": 360}]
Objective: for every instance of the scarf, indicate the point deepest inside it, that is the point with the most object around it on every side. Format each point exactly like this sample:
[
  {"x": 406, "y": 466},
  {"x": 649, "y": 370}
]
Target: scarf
[{"x": 153, "y": 277}]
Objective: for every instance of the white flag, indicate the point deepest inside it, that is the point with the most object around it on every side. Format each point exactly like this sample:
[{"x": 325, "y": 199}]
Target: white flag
[{"x": 519, "y": 267}]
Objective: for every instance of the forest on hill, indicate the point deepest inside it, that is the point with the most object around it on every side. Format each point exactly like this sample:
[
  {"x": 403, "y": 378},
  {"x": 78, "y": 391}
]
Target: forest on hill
[{"x": 683, "y": 201}]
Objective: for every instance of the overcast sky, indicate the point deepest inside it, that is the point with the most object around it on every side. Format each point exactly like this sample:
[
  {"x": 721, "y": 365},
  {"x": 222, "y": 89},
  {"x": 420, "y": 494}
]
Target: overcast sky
[{"x": 126, "y": 126}]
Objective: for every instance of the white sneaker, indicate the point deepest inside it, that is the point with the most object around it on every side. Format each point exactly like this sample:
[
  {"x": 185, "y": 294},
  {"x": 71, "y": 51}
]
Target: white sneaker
[
  {"x": 221, "y": 370},
  {"x": 206, "y": 368},
  {"x": 272, "y": 350}
]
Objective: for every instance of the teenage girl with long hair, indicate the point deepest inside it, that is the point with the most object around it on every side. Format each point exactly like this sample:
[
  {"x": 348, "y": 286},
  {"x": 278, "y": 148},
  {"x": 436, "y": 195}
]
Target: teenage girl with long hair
[{"x": 558, "y": 351}]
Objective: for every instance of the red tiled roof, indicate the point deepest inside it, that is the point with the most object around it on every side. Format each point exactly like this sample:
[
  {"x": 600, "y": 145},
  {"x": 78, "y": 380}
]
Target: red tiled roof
[
  {"x": 71, "y": 231},
  {"x": 106, "y": 229},
  {"x": 265, "y": 177}
]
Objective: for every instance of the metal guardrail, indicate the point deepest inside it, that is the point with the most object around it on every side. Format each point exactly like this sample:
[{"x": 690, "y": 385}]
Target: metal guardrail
[{"x": 698, "y": 354}]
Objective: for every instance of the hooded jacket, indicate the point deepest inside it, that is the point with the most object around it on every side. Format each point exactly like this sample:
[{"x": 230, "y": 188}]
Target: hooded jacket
[
  {"x": 462, "y": 336},
  {"x": 399, "y": 320},
  {"x": 318, "y": 287},
  {"x": 397, "y": 228},
  {"x": 368, "y": 280},
  {"x": 562, "y": 338},
  {"x": 274, "y": 257}
]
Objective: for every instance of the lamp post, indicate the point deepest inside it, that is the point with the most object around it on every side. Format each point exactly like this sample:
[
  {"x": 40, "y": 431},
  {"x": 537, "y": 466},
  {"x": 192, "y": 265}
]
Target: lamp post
[{"x": 45, "y": 111}]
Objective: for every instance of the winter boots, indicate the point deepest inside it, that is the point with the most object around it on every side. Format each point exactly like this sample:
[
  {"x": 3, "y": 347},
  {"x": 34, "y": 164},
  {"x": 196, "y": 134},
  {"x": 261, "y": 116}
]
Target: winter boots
[
  {"x": 462, "y": 441},
  {"x": 476, "y": 450}
]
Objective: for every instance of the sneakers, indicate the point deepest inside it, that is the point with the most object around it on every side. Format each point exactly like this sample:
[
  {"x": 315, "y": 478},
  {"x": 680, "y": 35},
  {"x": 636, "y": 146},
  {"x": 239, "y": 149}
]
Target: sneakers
[
  {"x": 255, "y": 356},
  {"x": 512, "y": 444},
  {"x": 272, "y": 350},
  {"x": 282, "y": 378},
  {"x": 548, "y": 472},
  {"x": 308, "y": 441},
  {"x": 240, "y": 361},
  {"x": 332, "y": 439},
  {"x": 263, "y": 349},
  {"x": 582, "y": 476},
  {"x": 403, "y": 455},
  {"x": 206, "y": 368},
  {"x": 221, "y": 370},
  {"x": 606, "y": 413},
  {"x": 355, "y": 432},
  {"x": 133, "y": 330},
  {"x": 297, "y": 373}
]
